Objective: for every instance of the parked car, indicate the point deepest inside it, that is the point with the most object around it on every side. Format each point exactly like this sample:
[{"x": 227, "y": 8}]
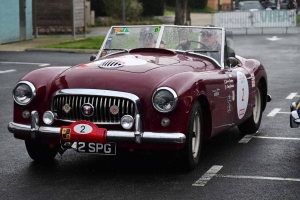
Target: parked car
[
  {"x": 145, "y": 89},
  {"x": 250, "y": 6},
  {"x": 295, "y": 113},
  {"x": 289, "y": 5},
  {"x": 269, "y": 5}
]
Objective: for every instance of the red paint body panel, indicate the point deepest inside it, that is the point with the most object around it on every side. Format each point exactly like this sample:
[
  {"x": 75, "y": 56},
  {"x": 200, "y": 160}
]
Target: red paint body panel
[{"x": 190, "y": 76}]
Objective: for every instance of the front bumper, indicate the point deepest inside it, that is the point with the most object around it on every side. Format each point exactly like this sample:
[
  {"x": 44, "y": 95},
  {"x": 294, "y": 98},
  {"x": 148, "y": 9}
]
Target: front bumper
[{"x": 34, "y": 131}]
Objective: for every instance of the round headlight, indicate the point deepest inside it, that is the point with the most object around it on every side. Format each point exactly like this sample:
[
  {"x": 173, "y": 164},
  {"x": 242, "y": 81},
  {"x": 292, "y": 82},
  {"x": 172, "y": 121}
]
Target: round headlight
[
  {"x": 48, "y": 117},
  {"x": 164, "y": 99},
  {"x": 24, "y": 92},
  {"x": 127, "y": 122}
]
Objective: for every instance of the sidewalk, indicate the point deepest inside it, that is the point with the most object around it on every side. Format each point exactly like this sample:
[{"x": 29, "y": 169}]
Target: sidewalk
[{"x": 198, "y": 19}]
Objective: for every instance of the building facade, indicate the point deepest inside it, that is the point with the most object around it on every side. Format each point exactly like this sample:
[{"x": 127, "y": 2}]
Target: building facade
[{"x": 15, "y": 20}]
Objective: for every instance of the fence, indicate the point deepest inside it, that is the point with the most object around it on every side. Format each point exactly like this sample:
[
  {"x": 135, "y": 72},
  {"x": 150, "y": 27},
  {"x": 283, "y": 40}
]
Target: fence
[{"x": 256, "y": 19}]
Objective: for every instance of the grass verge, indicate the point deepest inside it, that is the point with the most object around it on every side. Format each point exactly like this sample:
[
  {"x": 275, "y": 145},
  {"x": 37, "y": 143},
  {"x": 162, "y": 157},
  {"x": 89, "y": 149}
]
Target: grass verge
[{"x": 93, "y": 42}]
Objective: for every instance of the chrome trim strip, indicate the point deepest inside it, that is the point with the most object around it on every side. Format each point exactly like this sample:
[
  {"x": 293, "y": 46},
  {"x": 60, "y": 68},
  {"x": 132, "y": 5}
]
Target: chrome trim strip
[
  {"x": 112, "y": 136},
  {"x": 96, "y": 92}
]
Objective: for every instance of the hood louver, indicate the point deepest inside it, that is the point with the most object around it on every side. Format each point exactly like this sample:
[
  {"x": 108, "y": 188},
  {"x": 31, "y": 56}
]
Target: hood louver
[{"x": 111, "y": 64}]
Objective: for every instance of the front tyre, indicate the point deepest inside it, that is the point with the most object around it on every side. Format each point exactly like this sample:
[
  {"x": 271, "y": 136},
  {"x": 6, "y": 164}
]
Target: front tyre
[
  {"x": 251, "y": 125},
  {"x": 40, "y": 152},
  {"x": 190, "y": 154}
]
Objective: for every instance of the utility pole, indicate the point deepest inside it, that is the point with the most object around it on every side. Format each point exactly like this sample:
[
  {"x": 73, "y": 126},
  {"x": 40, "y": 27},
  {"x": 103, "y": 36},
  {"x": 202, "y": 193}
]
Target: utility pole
[{"x": 124, "y": 15}]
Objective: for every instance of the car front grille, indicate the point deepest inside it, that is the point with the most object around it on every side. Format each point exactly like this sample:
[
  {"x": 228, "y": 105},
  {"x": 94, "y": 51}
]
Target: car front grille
[{"x": 102, "y": 106}]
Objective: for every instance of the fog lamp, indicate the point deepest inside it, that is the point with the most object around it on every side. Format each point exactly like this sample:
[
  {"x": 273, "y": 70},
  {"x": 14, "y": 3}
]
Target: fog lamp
[
  {"x": 48, "y": 117},
  {"x": 127, "y": 122},
  {"x": 165, "y": 122}
]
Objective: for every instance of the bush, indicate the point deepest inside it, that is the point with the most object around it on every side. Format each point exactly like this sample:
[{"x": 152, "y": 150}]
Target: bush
[
  {"x": 195, "y": 4},
  {"x": 153, "y": 7},
  {"x": 133, "y": 9}
]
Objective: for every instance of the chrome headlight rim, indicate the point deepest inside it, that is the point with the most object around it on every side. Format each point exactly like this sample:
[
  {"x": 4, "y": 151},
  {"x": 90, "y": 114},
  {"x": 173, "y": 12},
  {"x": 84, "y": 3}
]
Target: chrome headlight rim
[
  {"x": 33, "y": 91},
  {"x": 51, "y": 117},
  {"x": 174, "y": 96}
]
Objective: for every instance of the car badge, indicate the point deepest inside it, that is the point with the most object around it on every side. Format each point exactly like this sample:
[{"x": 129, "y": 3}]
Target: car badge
[
  {"x": 87, "y": 109},
  {"x": 114, "y": 109},
  {"x": 216, "y": 92},
  {"x": 66, "y": 108}
]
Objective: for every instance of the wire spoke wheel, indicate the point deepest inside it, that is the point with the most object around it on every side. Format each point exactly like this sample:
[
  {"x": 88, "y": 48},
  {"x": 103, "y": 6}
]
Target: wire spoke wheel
[
  {"x": 257, "y": 107},
  {"x": 196, "y": 135}
]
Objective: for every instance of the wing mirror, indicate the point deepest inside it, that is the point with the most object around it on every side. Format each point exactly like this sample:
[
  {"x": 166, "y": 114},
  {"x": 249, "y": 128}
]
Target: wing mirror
[
  {"x": 232, "y": 62},
  {"x": 93, "y": 57}
]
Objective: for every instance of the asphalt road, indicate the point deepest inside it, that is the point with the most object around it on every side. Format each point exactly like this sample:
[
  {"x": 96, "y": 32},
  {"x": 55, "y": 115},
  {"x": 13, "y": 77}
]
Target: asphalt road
[{"x": 263, "y": 166}]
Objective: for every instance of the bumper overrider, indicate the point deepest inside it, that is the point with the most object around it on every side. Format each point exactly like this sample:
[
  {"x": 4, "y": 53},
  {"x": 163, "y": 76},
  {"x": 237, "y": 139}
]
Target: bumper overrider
[{"x": 35, "y": 131}]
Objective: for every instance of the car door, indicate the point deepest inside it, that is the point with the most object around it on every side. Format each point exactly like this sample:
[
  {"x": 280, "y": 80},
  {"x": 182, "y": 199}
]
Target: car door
[{"x": 221, "y": 93}]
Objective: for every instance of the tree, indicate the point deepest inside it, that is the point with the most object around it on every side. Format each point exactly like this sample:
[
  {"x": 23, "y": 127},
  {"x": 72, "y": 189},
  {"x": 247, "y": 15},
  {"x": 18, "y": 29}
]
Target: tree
[{"x": 182, "y": 12}]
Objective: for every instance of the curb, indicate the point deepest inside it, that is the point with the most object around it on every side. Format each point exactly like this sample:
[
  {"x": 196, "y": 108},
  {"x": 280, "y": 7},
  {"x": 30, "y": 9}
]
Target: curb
[{"x": 86, "y": 51}]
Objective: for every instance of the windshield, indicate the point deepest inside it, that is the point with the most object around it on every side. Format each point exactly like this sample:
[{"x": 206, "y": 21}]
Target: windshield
[
  {"x": 250, "y": 5},
  {"x": 206, "y": 41}
]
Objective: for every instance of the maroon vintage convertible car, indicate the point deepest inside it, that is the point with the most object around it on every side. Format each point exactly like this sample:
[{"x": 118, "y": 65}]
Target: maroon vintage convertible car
[{"x": 159, "y": 87}]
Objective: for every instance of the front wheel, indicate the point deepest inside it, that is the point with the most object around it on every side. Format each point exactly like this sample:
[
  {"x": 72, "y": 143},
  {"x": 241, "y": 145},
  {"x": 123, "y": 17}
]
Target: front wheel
[
  {"x": 41, "y": 151},
  {"x": 190, "y": 154},
  {"x": 251, "y": 125}
]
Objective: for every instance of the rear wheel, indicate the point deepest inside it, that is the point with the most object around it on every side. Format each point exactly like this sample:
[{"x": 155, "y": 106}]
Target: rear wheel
[
  {"x": 252, "y": 124},
  {"x": 41, "y": 151},
  {"x": 190, "y": 154}
]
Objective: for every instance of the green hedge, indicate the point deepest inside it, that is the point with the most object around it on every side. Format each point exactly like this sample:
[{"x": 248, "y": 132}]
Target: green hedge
[
  {"x": 153, "y": 7},
  {"x": 195, "y": 4}
]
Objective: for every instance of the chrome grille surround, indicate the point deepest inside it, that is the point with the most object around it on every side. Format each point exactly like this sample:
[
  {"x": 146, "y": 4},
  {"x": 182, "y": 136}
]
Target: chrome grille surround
[{"x": 102, "y": 100}]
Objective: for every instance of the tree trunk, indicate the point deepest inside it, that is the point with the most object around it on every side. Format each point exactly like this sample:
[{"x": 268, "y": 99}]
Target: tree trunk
[
  {"x": 180, "y": 12},
  {"x": 188, "y": 13}
]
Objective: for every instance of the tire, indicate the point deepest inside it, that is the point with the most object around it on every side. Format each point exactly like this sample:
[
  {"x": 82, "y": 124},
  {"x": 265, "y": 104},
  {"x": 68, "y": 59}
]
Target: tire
[
  {"x": 190, "y": 154},
  {"x": 251, "y": 125},
  {"x": 40, "y": 152}
]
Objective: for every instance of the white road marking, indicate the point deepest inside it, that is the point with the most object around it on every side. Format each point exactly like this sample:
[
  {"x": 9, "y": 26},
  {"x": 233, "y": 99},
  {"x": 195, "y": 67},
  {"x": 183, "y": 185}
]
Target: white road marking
[
  {"x": 275, "y": 138},
  {"x": 246, "y": 138},
  {"x": 44, "y": 65},
  {"x": 259, "y": 177},
  {"x": 273, "y": 112},
  {"x": 291, "y": 96},
  {"x": 274, "y": 38},
  {"x": 7, "y": 71},
  {"x": 208, "y": 175},
  {"x": 26, "y": 63}
]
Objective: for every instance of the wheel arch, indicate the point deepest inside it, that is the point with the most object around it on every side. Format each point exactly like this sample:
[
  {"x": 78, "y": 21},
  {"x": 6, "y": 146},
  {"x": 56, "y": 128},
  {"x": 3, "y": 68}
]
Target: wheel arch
[{"x": 206, "y": 116}]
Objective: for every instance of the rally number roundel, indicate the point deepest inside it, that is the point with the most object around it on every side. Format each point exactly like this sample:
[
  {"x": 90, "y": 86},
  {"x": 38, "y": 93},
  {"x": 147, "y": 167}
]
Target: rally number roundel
[
  {"x": 242, "y": 94},
  {"x": 83, "y": 129}
]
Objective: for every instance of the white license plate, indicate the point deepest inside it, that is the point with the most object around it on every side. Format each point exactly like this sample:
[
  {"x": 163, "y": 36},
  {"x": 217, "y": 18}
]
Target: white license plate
[{"x": 99, "y": 148}]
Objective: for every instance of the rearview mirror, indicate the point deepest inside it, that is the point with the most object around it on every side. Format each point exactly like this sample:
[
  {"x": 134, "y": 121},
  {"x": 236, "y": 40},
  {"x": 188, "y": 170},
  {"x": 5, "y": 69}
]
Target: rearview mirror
[
  {"x": 232, "y": 62},
  {"x": 93, "y": 57}
]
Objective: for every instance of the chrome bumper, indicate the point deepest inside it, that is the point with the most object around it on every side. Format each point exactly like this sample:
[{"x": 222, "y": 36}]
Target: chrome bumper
[{"x": 35, "y": 131}]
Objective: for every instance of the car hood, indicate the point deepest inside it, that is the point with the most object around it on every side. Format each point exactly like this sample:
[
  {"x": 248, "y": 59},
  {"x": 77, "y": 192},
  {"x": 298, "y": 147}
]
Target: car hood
[{"x": 130, "y": 72}]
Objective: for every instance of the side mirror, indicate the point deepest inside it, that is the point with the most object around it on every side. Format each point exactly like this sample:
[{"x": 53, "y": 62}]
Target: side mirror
[
  {"x": 232, "y": 62},
  {"x": 93, "y": 57}
]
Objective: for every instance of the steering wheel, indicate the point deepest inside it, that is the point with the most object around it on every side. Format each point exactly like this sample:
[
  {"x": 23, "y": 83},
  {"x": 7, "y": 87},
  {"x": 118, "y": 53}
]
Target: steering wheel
[{"x": 203, "y": 45}]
